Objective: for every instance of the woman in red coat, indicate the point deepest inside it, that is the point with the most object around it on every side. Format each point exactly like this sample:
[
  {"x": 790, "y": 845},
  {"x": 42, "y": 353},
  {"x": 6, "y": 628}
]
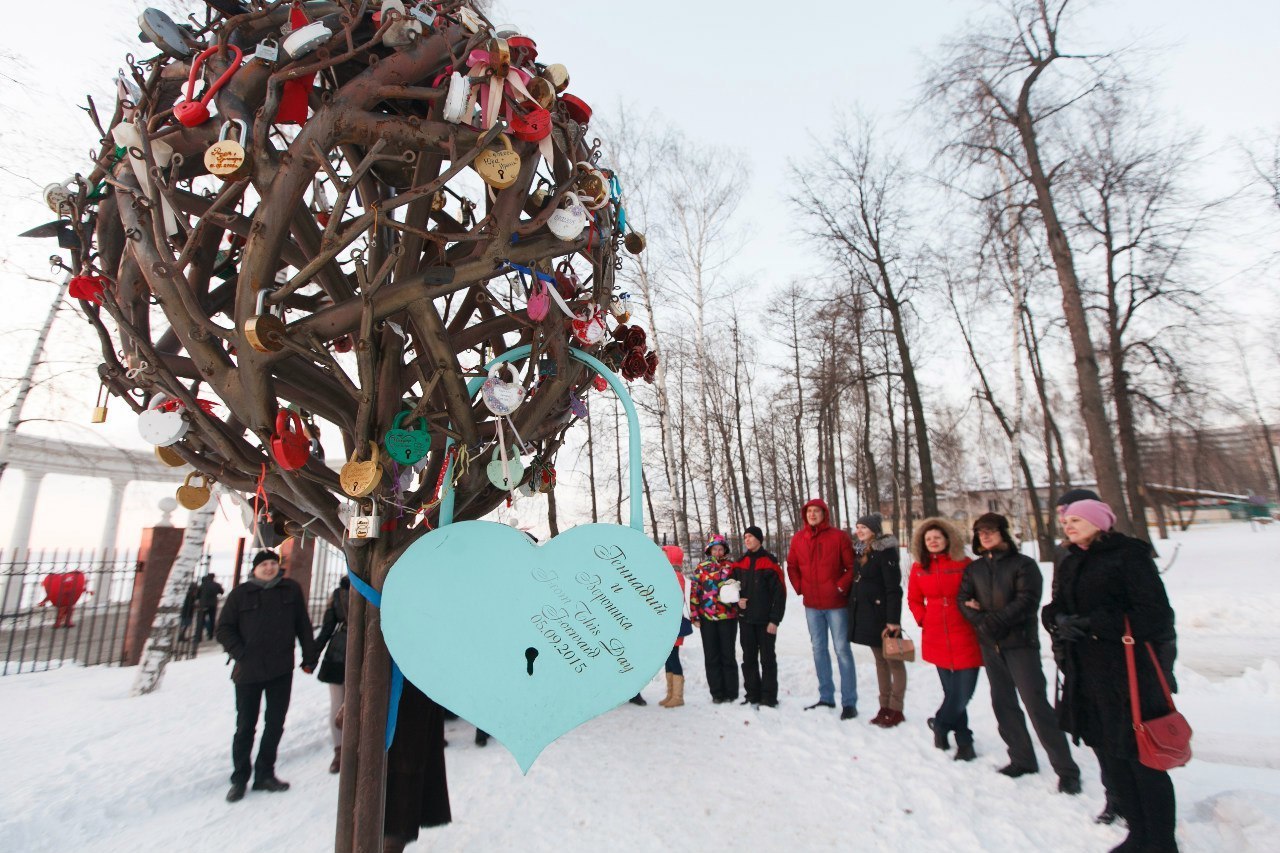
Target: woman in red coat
[{"x": 948, "y": 640}]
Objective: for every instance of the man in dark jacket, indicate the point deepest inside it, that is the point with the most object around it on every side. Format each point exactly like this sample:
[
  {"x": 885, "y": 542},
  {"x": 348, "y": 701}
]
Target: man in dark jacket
[
  {"x": 207, "y": 602},
  {"x": 820, "y": 568},
  {"x": 260, "y": 622},
  {"x": 1000, "y": 596},
  {"x": 760, "y": 608}
]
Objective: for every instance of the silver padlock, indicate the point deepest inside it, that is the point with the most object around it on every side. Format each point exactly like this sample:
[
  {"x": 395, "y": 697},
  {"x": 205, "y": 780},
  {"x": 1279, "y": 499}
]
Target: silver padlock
[
  {"x": 268, "y": 50},
  {"x": 424, "y": 13},
  {"x": 362, "y": 525}
]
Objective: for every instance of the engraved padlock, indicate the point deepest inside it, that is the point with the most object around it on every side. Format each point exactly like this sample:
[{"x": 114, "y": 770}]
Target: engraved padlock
[
  {"x": 226, "y": 158},
  {"x": 359, "y": 479},
  {"x": 500, "y": 167},
  {"x": 362, "y": 525},
  {"x": 195, "y": 496},
  {"x": 265, "y": 330},
  {"x": 568, "y": 222}
]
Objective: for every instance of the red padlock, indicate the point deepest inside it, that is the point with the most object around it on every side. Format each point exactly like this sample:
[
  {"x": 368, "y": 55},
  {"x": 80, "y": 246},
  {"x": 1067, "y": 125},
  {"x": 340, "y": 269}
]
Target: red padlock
[
  {"x": 577, "y": 108},
  {"x": 296, "y": 96},
  {"x": 87, "y": 287},
  {"x": 600, "y": 383},
  {"x": 290, "y": 445},
  {"x": 523, "y": 50},
  {"x": 193, "y": 113},
  {"x": 528, "y": 121}
]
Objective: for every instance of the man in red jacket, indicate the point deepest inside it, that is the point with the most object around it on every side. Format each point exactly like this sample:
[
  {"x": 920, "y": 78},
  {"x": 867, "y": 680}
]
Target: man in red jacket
[{"x": 820, "y": 565}]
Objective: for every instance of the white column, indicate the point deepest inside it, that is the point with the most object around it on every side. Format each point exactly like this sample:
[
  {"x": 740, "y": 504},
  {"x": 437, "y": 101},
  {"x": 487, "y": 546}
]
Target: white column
[
  {"x": 20, "y": 539},
  {"x": 111, "y": 527}
]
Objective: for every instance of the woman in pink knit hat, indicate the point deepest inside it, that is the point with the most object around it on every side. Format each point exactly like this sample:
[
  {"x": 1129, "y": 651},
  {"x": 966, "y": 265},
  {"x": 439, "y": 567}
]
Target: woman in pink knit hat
[{"x": 1106, "y": 580}]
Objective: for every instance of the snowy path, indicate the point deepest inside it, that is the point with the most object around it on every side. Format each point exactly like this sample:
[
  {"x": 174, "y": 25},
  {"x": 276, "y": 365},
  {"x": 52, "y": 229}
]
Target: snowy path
[{"x": 149, "y": 774}]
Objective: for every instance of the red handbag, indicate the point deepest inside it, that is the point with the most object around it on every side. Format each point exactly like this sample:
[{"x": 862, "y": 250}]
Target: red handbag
[{"x": 1164, "y": 742}]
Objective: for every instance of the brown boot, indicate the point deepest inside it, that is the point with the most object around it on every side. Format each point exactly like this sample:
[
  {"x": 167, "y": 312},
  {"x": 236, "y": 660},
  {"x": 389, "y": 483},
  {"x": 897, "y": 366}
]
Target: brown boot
[
  {"x": 336, "y": 764},
  {"x": 666, "y": 700},
  {"x": 677, "y": 691}
]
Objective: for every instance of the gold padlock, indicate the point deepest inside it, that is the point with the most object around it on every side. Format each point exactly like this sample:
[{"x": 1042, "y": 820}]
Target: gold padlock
[
  {"x": 169, "y": 456},
  {"x": 100, "y": 410},
  {"x": 634, "y": 242},
  {"x": 542, "y": 90},
  {"x": 265, "y": 330},
  {"x": 592, "y": 186},
  {"x": 499, "y": 57},
  {"x": 359, "y": 479},
  {"x": 194, "y": 497},
  {"x": 558, "y": 76},
  {"x": 498, "y": 168},
  {"x": 226, "y": 158}
]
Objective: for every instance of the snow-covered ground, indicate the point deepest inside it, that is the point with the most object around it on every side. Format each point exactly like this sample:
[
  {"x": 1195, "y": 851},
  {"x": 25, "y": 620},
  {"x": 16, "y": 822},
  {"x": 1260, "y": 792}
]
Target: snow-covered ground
[{"x": 83, "y": 767}]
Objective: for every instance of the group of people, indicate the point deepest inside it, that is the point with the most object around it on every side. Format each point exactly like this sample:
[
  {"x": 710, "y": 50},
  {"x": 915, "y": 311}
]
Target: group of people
[{"x": 975, "y": 613}]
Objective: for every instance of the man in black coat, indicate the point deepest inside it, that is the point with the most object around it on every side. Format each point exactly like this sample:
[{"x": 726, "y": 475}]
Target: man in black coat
[
  {"x": 260, "y": 621},
  {"x": 760, "y": 608},
  {"x": 207, "y": 602},
  {"x": 1000, "y": 596}
]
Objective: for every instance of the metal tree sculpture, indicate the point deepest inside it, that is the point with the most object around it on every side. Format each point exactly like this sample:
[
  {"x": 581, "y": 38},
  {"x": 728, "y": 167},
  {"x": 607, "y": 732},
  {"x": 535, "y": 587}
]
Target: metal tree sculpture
[{"x": 312, "y": 246}]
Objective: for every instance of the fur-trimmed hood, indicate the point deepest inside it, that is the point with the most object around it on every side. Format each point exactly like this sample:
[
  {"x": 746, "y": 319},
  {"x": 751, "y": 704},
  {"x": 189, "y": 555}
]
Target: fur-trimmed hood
[
  {"x": 882, "y": 543},
  {"x": 955, "y": 542}
]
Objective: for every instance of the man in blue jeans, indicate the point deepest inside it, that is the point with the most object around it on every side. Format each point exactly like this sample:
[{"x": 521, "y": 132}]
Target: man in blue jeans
[{"x": 819, "y": 565}]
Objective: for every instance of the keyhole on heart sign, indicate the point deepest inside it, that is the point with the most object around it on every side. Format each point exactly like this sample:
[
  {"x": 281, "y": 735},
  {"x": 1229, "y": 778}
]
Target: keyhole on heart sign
[
  {"x": 502, "y": 174},
  {"x": 530, "y": 654}
]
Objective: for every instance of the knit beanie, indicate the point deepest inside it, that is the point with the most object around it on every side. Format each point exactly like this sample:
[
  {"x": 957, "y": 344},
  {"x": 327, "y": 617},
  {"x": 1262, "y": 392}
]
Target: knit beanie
[
  {"x": 1074, "y": 495},
  {"x": 263, "y": 556},
  {"x": 872, "y": 522},
  {"x": 756, "y": 532},
  {"x": 1095, "y": 512}
]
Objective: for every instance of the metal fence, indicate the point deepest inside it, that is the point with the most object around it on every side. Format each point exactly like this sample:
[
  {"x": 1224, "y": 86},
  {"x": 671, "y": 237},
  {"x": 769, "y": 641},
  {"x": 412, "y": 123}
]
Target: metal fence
[
  {"x": 327, "y": 568},
  {"x": 59, "y": 606}
]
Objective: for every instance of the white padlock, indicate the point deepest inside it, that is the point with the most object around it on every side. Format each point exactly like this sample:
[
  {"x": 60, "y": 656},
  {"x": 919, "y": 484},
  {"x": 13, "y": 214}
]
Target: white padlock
[
  {"x": 162, "y": 428},
  {"x": 567, "y": 223}
]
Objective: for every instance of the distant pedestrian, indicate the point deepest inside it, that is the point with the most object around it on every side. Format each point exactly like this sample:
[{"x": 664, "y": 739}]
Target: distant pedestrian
[
  {"x": 187, "y": 615},
  {"x": 674, "y": 669},
  {"x": 875, "y": 609},
  {"x": 207, "y": 604},
  {"x": 947, "y": 641},
  {"x": 1000, "y": 596},
  {"x": 762, "y": 603},
  {"x": 262, "y": 619},
  {"x": 332, "y": 641},
  {"x": 820, "y": 568}
]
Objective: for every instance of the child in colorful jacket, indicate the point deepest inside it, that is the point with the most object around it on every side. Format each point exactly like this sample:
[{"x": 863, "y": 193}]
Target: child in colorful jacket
[{"x": 716, "y": 620}]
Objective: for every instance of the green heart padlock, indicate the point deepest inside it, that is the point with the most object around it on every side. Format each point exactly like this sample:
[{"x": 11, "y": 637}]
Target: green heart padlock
[{"x": 406, "y": 446}]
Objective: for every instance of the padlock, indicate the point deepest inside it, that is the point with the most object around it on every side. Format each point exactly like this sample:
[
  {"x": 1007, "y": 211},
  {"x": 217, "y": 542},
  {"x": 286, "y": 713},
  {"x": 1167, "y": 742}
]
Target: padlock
[
  {"x": 307, "y": 39},
  {"x": 578, "y": 406},
  {"x": 502, "y": 398},
  {"x": 634, "y": 242},
  {"x": 424, "y": 13},
  {"x": 529, "y": 122},
  {"x": 558, "y": 75},
  {"x": 359, "y": 479},
  {"x": 547, "y": 367},
  {"x": 456, "y": 98},
  {"x": 87, "y": 287},
  {"x": 539, "y": 300},
  {"x": 159, "y": 29},
  {"x": 270, "y": 528},
  {"x": 362, "y": 525},
  {"x": 100, "y": 408},
  {"x": 194, "y": 497},
  {"x": 499, "y": 57},
  {"x": 192, "y": 112},
  {"x": 469, "y": 19},
  {"x": 568, "y": 222},
  {"x": 589, "y": 327},
  {"x": 620, "y": 307},
  {"x": 265, "y": 330},
  {"x": 577, "y": 108},
  {"x": 290, "y": 445},
  {"x": 600, "y": 383},
  {"x": 593, "y": 186},
  {"x": 498, "y": 168},
  {"x": 404, "y": 29},
  {"x": 268, "y": 51},
  {"x": 542, "y": 91},
  {"x": 524, "y": 51},
  {"x": 58, "y": 196},
  {"x": 169, "y": 457},
  {"x": 163, "y": 424},
  {"x": 226, "y": 158},
  {"x": 406, "y": 446},
  {"x": 506, "y": 475}
]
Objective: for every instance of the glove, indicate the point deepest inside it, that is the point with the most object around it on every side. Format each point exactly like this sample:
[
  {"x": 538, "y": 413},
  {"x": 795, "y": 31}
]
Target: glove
[{"x": 1072, "y": 629}]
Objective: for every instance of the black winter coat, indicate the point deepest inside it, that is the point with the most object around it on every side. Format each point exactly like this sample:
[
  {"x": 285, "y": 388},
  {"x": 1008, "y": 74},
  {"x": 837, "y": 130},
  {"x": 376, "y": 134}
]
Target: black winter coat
[
  {"x": 876, "y": 597},
  {"x": 332, "y": 639},
  {"x": 760, "y": 575},
  {"x": 258, "y": 627},
  {"x": 210, "y": 592},
  {"x": 1008, "y": 585},
  {"x": 1115, "y": 578}
]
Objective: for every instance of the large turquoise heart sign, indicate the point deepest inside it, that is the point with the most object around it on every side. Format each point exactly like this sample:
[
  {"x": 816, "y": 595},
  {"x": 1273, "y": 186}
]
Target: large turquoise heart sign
[{"x": 528, "y": 641}]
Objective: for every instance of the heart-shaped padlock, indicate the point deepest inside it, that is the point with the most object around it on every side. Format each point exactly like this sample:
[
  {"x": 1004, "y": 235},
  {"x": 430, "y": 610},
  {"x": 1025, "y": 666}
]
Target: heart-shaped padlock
[
  {"x": 226, "y": 158},
  {"x": 168, "y": 456},
  {"x": 290, "y": 445},
  {"x": 539, "y": 300},
  {"x": 558, "y": 75},
  {"x": 593, "y": 186},
  {"x": 505, "y": 475},
  {"x": 195, "y": 496},
  {"x": 359, "y": 479},
  {"x": 502, "y": 398},
  {"x": 568, "y": 222},
  {"x": 499, "y": 168},
  {"x": 162, "y": 424},
  {"x": 590, "y": 328},
  {"x": 265, "y": 330},
  {"x": 577, "y": 406},
  {"x": 406, "y": 446}
]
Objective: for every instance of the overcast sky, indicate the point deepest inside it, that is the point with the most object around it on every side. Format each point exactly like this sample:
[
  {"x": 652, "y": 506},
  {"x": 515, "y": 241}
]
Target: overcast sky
[{"x": 757, "y": 79}]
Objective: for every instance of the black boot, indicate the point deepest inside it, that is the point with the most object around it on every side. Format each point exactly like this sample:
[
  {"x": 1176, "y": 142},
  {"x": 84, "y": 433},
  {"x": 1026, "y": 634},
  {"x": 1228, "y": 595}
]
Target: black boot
[
  {"x": 236, "y": 794},
  {"x": 638, "y": 700},
  {"x": 270, "y": 783},
  {"x": 819, "y": 704},
  {"x": 482, "y": 737},
  {"x": 964, "y": 752}
]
